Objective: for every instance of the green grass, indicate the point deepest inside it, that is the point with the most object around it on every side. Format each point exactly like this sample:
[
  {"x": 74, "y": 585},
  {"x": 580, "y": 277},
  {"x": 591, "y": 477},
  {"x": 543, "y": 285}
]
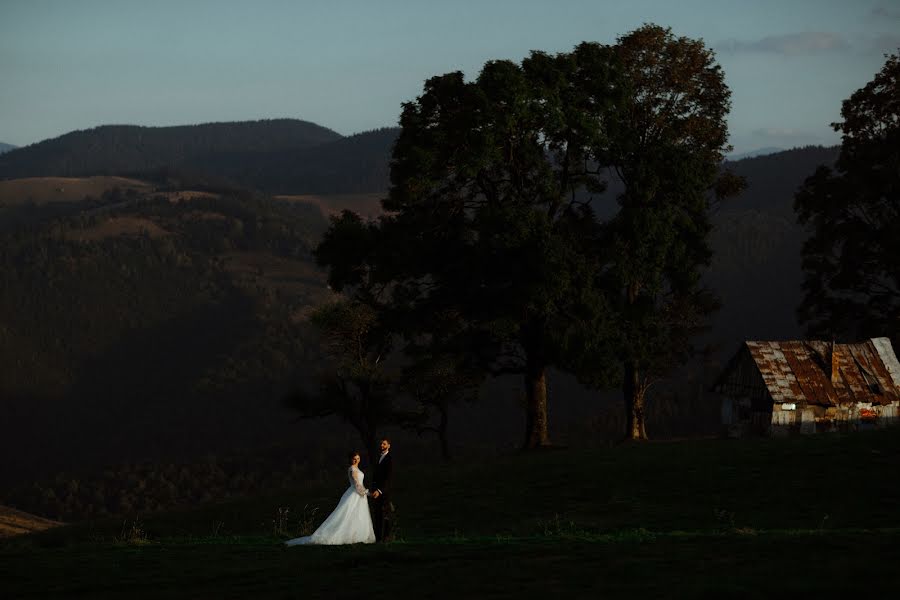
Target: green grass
[{"x": 705, "y": 518}]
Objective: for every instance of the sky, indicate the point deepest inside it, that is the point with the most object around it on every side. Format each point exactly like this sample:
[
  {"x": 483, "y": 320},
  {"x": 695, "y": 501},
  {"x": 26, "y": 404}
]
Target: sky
[{"x": 349, "y": 64}]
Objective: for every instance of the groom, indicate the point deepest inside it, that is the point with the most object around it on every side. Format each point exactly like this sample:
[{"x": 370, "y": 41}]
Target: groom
[{"x": 380, "y": 503}]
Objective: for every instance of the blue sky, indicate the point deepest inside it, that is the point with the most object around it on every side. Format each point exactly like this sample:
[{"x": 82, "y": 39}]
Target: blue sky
[{"x": 348, "y": 64}]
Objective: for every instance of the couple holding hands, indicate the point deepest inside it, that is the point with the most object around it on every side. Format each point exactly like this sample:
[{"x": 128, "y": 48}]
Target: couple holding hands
[{"x": 352, "y": 521}]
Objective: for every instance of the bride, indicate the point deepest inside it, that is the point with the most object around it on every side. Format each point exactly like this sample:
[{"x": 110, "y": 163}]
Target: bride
[{"x": 350, "y": 522}]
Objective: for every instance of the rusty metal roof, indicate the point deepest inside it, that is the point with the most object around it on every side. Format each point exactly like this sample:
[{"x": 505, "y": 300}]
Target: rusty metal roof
[{"x": 826, "y": 374}]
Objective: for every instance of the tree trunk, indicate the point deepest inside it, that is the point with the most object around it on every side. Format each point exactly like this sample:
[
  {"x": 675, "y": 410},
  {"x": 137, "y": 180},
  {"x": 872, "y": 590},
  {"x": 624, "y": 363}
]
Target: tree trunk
[
  {"x": 634, "y": 403},
  {"x": 371, "y": 442},
  {"x": 536, "y": 422},
  {"x": 443, "y": 409}
]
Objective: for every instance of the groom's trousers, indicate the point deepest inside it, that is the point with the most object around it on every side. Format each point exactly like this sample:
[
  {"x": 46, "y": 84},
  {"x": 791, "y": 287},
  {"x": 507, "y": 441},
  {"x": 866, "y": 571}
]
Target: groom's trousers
[{"x": 382, "y": 518}]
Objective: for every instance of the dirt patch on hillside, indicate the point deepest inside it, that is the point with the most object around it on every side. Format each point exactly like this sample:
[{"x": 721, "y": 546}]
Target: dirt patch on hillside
[
  {"x": 116, "y": 226},
  {"x": 367, "y": 206},
  {"x": 14, "y": 522},
  {"x": 186, "y": 196},
  {"x": 42, "y": 190}
]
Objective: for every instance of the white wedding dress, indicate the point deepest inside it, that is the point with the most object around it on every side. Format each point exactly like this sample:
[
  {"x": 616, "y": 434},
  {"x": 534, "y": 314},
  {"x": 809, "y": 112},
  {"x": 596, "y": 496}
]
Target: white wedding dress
[{"x": 349, "y": 523}]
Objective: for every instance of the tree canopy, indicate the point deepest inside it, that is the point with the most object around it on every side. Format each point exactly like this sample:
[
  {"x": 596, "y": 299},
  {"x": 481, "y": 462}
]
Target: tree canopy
[
  {"x": 484, "y": 205},
  {"x": 850, "y": 262},
  {"x": 667, "y": 146},
  {"x": 492, "y": 231}
]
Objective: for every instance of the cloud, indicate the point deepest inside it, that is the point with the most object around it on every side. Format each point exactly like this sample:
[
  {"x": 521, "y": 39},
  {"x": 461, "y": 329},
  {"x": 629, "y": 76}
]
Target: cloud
[
  {"x": 791, "y": 44},
  {"x": 883, "y": 12}
]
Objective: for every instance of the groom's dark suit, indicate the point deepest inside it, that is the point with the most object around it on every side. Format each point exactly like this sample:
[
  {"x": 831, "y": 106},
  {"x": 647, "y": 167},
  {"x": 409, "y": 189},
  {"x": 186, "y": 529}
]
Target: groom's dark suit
[{"x": 382, "y": 508}]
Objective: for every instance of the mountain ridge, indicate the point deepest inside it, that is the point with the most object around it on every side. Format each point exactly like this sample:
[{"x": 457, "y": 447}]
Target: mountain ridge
[
  {"x": 130, "y": 149},
  {"x": 755, "y": 152}
]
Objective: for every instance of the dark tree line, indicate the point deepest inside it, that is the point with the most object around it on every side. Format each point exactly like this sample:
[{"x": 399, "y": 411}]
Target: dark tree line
[
  {"x": 280, "y": 156},
  {"x": 118, "y": 149},
  {"x": 123, "y": 342}
]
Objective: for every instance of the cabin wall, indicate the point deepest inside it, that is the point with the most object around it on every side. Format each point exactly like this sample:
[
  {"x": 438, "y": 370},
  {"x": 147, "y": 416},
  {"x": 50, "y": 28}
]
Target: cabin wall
[
  {"x": 742, "y": 417},
  {"x": 789, "y": 418},
  {"x": 746, "y": 404}
]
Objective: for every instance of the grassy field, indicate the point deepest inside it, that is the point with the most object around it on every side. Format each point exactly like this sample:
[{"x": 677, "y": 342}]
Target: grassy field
[
  {"x": 705, "y": 518},
  {"x": 367, "y": 205},
  {"x": 42, "y": 190}
]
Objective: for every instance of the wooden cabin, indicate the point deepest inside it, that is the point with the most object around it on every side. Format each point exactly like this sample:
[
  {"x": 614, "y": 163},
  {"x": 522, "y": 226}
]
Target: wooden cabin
[{"x": 775, "y": 388}]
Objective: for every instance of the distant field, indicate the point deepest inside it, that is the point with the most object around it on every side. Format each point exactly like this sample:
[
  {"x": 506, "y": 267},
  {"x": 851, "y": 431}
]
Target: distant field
[
  {"x": 115, "y": 226},
  {"x": 809, "y": 517},
  {"x": 186, "y": 195},
  {"x": 14, "y": 522},
  {"x": 367, "y": 205},
  {"x": 42, "y": 190}
]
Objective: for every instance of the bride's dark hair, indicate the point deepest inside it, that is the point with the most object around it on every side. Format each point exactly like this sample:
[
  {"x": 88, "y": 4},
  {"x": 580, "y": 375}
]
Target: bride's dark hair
[{"x": 352, "y": 454}]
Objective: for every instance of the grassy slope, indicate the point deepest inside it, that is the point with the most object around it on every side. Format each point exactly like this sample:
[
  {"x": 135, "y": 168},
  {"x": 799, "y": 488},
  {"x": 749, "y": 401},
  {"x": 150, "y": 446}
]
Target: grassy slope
[
  {"x": 366, "y": 205},
  {"x": 14, "y": 522},
  {"x": 42, "y": 190},
  {"x": 692, "y": 518}
]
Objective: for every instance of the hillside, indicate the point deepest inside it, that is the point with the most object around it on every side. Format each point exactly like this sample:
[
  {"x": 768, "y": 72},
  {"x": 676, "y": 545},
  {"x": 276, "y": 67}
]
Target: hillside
[
  {"x": 366, "y": 205},
  {"x": 210, "y": 286},
  {"x": 774, "y": 178},
  {"x": 6, "y": 147},
  {"x": 44, "y": 190},
  {"x": 130, "y": 149},
  {"x": 355, "y": 164},
  {"x": 128, "y": 319},
  {"x": 14, "y": 522},
  {"x": 756, "y": 244},
  {"x": 698, "y": 518}
]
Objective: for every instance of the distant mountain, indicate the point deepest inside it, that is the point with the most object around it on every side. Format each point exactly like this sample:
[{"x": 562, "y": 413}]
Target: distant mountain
[
  {"x": 773, "y": 178},
  {"x": 278, "y": 156},
  {"x": 757, "y": 152},
  {"x": 130, "y": 149},
  {"x": 354, "y": 164},
  {"x": 6, "y": 147},
  {"x": 756, "y": 244}
]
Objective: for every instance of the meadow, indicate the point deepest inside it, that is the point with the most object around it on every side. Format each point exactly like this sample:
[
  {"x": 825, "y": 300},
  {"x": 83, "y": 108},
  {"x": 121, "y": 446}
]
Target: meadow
[{"x": 693, "y": 518}]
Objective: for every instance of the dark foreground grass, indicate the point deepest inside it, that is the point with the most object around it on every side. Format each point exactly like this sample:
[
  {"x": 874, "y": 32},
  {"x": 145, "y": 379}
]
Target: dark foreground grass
[
  {"x": 808, "y": 516},
  {"x": 854, "y": 564}
]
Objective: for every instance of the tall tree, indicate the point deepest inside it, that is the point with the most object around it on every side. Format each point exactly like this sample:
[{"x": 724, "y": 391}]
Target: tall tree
[
  {"x": 851, "y": 261},
  {"x": 666, "y": 146},
  {"x": 484, "y": 196}
]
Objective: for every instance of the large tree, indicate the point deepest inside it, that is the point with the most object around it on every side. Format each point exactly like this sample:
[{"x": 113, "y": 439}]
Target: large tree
[
  {"x": 485, "y": 180},
  {"x": 482, "y": 252},
  {"x": 851, "y": 261},
  {"x": 666, "y": 146}
]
